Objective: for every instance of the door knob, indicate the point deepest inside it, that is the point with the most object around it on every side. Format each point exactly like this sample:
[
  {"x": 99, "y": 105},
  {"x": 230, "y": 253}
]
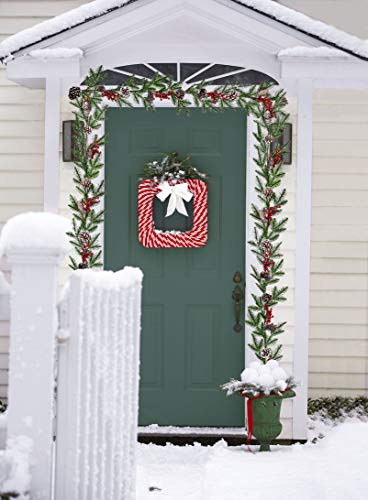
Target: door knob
[{"x": 237, "y": 296}]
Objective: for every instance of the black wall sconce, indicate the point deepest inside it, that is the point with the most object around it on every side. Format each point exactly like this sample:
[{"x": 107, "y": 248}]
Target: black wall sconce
[
  {"x": 286, "y": 141},
  {"x": 68, "y": 140}
]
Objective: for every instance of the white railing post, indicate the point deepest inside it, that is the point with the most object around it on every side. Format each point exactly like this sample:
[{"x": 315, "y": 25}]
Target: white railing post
[
  {"x": 33, "y": 318},
  {"x": 97, "y": 406}
]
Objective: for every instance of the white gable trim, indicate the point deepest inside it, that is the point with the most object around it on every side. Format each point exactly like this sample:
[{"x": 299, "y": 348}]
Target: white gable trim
[
  {"x": 223, "y": 35},
  {"x": 270, "y": 13}
]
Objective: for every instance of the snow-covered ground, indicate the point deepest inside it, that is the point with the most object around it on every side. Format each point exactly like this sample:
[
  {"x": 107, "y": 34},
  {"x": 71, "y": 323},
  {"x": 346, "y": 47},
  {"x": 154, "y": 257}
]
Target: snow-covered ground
[{"x": 334, "y": 468}]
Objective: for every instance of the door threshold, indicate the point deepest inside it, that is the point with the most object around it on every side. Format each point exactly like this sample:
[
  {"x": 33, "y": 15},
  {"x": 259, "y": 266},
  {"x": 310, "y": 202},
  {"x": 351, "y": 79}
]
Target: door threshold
[
  {"x": 181, "y": 436},
  {"x": 186, "y": 431},
  {"x": 206, "y": 436}
]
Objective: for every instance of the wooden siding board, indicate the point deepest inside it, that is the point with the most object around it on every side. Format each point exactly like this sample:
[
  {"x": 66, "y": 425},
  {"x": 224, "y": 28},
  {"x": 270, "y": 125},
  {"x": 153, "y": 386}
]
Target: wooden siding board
[
  {"x": 332, "y": 266},
  {"x": 354, "y": 381},
  {"x": 341, "y": 249},
  {"x": 334, "y": 391},
  {"x": 339, "y": 332},
  {"x": 333, "y": 364},
  {"x": 340, "y": 199},
  {"x": 27, "y": 129},
  {"x": 332, "y": 165},
  {"x": 22, "y": 112},
  {"x": 21, "y": 163},
  {"x": 342, "y": 298}
]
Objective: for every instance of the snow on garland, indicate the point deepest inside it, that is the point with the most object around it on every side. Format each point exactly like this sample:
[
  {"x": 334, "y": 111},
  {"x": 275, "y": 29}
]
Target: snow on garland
[
  {"x": 267, "y": 106},
  {"x": 171, "y": 168}
]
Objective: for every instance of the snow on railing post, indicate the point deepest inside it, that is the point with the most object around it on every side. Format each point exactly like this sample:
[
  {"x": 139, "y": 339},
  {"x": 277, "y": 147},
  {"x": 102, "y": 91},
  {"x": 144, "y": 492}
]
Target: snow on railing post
[
  {"x": 97, "y": 406},
  {"x": 34, "y": 244}
]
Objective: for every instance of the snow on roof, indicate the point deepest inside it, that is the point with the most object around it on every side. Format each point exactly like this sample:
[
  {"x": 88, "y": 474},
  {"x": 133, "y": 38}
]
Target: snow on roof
[
  {"x": 58, "y": 24},
  {"x": 269, "y": 8},
  {"x": 58, "y": 53},
  {"x": 308, "y": 25},
  {"x": 313, "y": 52}
]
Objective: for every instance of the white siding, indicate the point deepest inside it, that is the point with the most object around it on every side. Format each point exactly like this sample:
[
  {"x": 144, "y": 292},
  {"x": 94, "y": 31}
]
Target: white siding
[{"x": 339, "y": 254}]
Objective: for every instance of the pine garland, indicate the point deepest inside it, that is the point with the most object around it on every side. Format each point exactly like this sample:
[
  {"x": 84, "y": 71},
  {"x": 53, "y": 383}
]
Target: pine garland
[{"x": 268, "y": 110}]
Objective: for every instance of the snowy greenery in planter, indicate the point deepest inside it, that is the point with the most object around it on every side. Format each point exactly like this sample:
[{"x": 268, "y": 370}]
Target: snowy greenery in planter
[{"x": 261, "y": 378}]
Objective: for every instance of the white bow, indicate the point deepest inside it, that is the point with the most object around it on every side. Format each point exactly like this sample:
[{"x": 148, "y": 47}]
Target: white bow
[{"x": 177, "y": 193}]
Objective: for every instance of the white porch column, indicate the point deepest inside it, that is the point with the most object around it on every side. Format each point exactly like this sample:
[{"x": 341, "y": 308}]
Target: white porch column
[
  {"x": 52, "y": 145},
  {"x": 303, "y": 234}
]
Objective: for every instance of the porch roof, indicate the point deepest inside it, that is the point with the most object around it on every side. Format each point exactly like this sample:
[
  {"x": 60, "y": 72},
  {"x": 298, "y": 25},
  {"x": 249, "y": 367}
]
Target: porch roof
[{"x": 329, "y": 35}]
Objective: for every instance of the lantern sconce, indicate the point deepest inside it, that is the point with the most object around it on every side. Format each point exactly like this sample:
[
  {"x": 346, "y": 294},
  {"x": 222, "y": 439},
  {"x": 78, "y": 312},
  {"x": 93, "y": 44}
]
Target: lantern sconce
[
  {"x": 68, "y": 140},
  {"x": 285, "y": 141}
]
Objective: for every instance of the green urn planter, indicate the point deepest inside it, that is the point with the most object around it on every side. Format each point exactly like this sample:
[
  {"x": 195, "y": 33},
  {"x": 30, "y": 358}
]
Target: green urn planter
[{"x": 265, "y": 417}]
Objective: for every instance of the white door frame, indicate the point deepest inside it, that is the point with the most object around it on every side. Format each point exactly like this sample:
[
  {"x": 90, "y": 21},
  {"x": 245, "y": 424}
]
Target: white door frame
[{"x": 299, "y": 405}]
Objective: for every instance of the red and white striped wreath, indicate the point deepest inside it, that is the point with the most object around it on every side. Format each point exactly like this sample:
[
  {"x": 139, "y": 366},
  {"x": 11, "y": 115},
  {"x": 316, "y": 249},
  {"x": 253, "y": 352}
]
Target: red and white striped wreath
[{"x": 150, "y": 237}]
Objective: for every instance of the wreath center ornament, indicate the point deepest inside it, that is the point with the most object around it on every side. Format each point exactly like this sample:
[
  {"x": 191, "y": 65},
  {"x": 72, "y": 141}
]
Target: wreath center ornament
[
  {"x": 179, "y": 182},
  {"x": 177, "y": 194}
]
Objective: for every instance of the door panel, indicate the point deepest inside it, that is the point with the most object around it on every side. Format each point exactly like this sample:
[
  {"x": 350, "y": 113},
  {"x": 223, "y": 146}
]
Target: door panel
[{"x": 189, "y": 347}]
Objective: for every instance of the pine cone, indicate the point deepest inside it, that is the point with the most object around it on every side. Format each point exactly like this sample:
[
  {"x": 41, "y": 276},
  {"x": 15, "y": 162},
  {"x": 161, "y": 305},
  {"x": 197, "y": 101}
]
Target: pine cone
[
  {"x": 268, "y": 117},
  {"x": 101, "y": 88},
  {"x": 268, "y": 193},
  {"x": 180, "y": 94},
  {"x": 83, "y": 265},
  {"x": 266, "y": 352},
  {"x": 85, "y": 237},
  {"x": 266, "y": 298},
  {"x": 74, "y": 93},
  {"x": 86, "y": 107},
  {"x": 202, "y": 94},
  {"x": 269, "y": 138},
  {"x": 150, "y": 97},
  {"x": 87, "y": 183},
  {"x": 262, "y": 214},
  {"x": 265, "y": 276},
  {"x": 271, "y": 327},
  {"x": 270, "y": 163},
  {"x": 266, "y": 245},
  {"x": 233, "y": 95},
  {"x": 125, "y": 92},
  {"x": 262, "y": 93}
]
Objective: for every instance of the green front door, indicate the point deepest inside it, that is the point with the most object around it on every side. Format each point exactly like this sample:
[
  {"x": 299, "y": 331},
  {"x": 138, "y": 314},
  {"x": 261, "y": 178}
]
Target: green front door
[{"x": 189, "y": 347}]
